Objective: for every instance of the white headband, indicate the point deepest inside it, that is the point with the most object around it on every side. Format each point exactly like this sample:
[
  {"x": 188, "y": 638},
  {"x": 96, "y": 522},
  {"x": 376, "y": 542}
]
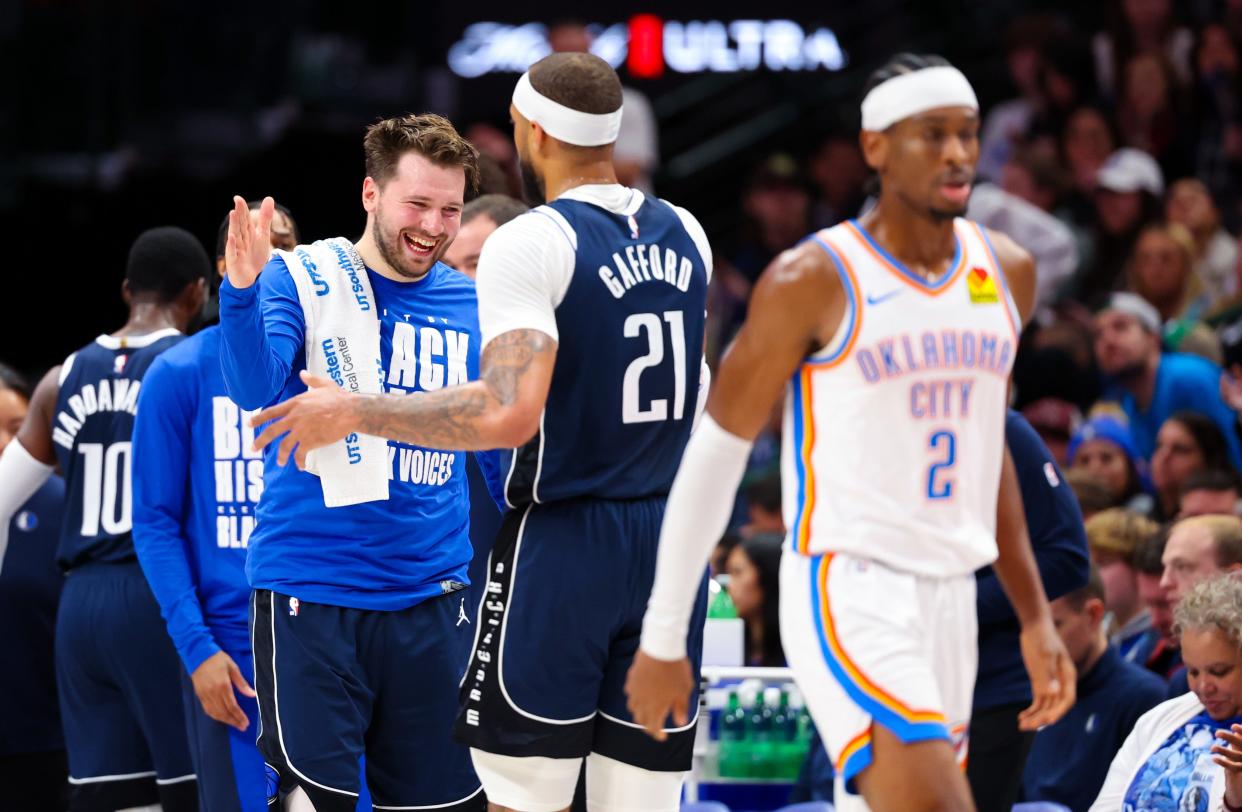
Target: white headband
[
  {"x": 564, "y": 123},
  {"x": 917, "y": 92}
]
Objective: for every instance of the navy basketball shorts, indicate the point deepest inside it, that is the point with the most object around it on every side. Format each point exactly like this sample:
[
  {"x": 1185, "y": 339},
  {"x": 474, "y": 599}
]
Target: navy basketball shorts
[
  {"x": 557, "y": 630},
  {"x": 119, "y": 681},
  {"x": 335, "y": 684},
  {"x": 231, "y": 775}
]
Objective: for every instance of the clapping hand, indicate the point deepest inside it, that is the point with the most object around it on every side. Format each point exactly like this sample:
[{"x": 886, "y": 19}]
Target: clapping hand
[{"x": 249, "y": 245}]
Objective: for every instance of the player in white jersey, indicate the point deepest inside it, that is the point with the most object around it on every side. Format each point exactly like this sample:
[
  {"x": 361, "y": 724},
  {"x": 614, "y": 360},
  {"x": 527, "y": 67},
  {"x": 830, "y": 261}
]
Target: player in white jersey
[{"x": 893, "y": 337}]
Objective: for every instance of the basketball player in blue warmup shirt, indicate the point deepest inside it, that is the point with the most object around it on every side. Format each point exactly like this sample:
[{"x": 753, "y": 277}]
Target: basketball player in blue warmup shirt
[
  {"x": 197, "y": 479},
  {"x": 592, "y": 312},
  {"x": 116, "y": 669},
  {"x": 359, "y": 621}
]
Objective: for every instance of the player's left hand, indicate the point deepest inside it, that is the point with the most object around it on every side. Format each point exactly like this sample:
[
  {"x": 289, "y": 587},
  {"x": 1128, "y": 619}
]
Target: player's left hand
[
  {"x": 1054, "y": 682},
  {"x": 657, "y": 688},
  {"x": 318, "y": 417}
]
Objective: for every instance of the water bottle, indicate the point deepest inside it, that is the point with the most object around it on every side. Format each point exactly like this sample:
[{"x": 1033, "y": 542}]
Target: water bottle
[
  {"x": 785, "y": 755},
  {"x": 760, "y": 733},
  {"x": 733, "y": 752},
  {"x": 720, "y": 605}
]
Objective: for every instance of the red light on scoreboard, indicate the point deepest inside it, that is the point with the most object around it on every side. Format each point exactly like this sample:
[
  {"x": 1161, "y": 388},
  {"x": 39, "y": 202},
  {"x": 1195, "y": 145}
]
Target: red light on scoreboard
[{"x": 646, "y": 51}]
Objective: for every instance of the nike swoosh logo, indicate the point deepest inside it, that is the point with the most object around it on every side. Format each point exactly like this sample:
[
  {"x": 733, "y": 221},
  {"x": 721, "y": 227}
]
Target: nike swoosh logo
[{"x": 883, "y": 297}]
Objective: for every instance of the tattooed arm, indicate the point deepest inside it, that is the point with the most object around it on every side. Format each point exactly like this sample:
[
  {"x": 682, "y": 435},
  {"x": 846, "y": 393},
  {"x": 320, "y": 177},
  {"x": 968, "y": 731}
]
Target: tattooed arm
[{"x": 499, "y": 410}]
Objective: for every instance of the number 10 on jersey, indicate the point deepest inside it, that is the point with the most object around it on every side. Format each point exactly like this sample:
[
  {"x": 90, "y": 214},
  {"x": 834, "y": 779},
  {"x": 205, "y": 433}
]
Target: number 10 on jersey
[{"x": 652, "y": 325}]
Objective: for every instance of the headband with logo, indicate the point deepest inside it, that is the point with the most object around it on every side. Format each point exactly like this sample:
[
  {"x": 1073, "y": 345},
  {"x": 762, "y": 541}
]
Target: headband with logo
[
  {"x": 564, "y": 123},
  {"x": 916, "y": 92}
]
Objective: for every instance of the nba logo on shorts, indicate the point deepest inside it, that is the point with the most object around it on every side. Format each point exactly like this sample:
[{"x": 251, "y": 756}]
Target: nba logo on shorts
[{"x": 294, "y": 606}]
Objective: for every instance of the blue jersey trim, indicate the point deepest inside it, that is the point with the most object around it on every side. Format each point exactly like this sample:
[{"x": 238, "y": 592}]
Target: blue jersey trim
[
  {"x": 848, "y": 285},
  {"x": 906, "y": 272}
]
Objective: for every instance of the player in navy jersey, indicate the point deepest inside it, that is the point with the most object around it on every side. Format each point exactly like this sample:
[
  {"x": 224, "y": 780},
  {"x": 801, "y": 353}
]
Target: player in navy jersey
[
  {"x": 32, "y": 749},
  {"x": 359, "y": 622},
  {"x": 592, "y": 313},
  {"x": 116, "y": 669},
  {"x": 197, "y": 479}
]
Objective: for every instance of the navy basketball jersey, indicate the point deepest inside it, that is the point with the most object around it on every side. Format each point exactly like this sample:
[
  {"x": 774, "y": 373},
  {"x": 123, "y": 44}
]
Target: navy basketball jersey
[
  {"x": 91, "y": 434},
  {"x": 630, "y": 345}
]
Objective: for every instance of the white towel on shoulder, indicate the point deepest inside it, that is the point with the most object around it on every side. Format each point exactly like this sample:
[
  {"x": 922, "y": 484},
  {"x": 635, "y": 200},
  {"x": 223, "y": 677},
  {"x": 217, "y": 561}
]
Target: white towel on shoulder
[{"x": 342, "y": 343}]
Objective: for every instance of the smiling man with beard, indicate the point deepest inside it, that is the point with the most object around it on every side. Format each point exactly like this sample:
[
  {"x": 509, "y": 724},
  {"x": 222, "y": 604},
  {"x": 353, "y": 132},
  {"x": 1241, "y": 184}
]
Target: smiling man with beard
[
  {"x": 1150, "y": 384},
  {"x": 359, "y": 622}
]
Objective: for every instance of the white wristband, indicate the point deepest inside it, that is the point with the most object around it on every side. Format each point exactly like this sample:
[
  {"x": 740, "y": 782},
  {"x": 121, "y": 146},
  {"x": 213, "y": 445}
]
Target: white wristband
[{"x": 698, "y": 512}]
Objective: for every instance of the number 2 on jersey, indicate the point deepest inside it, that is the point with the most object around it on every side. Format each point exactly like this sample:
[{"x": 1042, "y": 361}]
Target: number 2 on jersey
[
  {"x": 939, "y": 477},
  {"x": 650, "y": 323}
]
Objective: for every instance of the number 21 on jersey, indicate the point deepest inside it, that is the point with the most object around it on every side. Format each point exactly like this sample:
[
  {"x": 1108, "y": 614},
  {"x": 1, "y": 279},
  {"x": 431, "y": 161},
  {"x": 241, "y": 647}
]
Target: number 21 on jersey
[{"x": 652, "y": 325}]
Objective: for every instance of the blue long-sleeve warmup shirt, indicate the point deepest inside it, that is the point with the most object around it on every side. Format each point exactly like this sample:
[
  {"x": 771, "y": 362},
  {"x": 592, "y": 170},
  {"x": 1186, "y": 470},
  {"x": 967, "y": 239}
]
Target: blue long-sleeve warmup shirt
[
  {"x": 196, "y": 483},
  {"x": 1059, "y": 541},
  {"x": 385, "y": 555},
  {"x": 1182, "y": 382}
]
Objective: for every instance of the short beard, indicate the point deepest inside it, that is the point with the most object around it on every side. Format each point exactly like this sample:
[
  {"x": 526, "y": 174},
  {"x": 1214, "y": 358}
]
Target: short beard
[
  {"x": 533, "y": 188},
  {"x": 390, "y": 251},
  {"x": 1131, "y": 372},
  {"x": 944, "y": 215}
]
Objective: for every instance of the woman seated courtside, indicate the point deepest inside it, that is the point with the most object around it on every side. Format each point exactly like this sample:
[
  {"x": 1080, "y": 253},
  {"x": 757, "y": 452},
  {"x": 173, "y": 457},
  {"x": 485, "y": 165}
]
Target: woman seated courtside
[{"x": 1167, "y": 763}]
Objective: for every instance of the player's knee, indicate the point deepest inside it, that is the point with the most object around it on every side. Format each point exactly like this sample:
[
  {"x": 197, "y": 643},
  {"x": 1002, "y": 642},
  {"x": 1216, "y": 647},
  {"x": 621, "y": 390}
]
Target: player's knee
[
  {"x": 527, "y": 784},
  {"x": 613, "y": 786}
]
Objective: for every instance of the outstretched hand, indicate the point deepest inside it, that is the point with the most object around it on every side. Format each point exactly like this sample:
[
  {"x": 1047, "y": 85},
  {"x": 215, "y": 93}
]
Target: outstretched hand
[
  {"x": 249, "y": 245},
  {"x": 318, "y": 417}
]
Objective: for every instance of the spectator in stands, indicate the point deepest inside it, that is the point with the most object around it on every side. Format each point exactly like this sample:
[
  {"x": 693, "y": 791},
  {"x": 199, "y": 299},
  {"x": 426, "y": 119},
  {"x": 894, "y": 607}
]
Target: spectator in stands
[
  {"x": 1150, "y": 115},
  {"x": 1218, "y": 69},
  {"x": 1113, "y": 536},
  {"x": 1070, "y": 758},
  {"x": 1161, "y": 270},
  {"x": 1054, "y": 420},
  {"x": 1104, "y": 448},
  {"x": 1200, "y": 547},
  {"x": 1086, "y": 142},
  {"x": 1164, "y": 658},
  {"x": 1139, "y": 27},
  {"x": 1008, "y": 123},
  {"x": 777, "y": 208},
  {"x": 1215, "y": 251},
  {"x": 1150, "y": 385},
  {"x": 479, "y": 218},
  {"x": 1093, "y": 497},
  {"x": 998, "y": 748},
  {"x": 754, "y": 586},
  {"x": 1210, "y": 492},
  {"x": 720, "y": 556},
  {"x": 1129, "y": 187},
  {"x": 1187, "y": 442},
  {"x": 1166, "y": 762},
  {"x": 33, "y": 765},
  {"x": 838, "y": 172},
  {"x": 763, "y": 505}
]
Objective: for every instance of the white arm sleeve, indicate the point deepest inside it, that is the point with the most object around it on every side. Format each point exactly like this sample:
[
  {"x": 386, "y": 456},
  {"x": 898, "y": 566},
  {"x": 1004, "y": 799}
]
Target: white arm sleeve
[
  {"x": 525, "y": 268},
  {"x": 697, "y": 514},
  {"x": 20, "y": 476}
]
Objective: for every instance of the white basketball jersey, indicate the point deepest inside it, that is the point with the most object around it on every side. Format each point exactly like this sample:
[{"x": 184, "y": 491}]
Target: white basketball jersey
[{"x": 895, "y": 431}]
